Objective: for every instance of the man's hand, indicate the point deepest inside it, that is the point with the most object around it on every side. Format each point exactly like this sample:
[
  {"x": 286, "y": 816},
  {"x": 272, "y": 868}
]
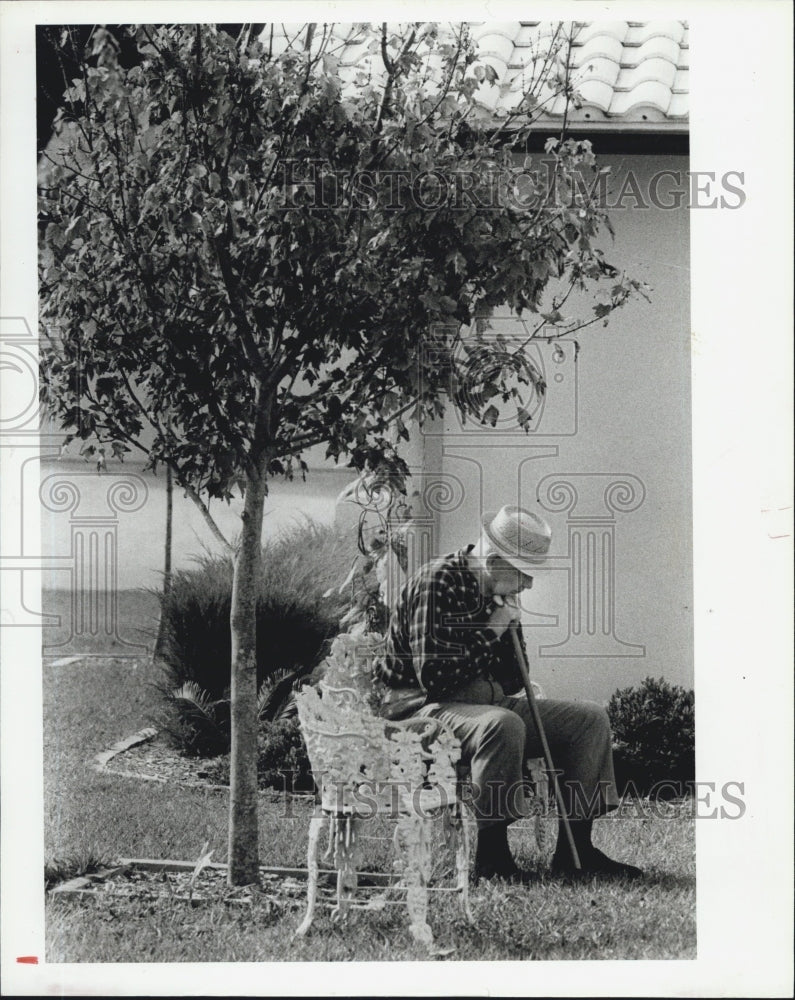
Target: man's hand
[{"x": 501, "y": 618}]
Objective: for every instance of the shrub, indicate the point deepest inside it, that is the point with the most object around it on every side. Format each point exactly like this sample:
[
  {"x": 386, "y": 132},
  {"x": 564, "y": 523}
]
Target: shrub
[
  {"x": 298, "y": 610},
  {"x": 654, "y": 736},
  {"x": 282, "y": 760},
  {"x": 195, "y": 723},
  {"x": 199, "y": 726}
]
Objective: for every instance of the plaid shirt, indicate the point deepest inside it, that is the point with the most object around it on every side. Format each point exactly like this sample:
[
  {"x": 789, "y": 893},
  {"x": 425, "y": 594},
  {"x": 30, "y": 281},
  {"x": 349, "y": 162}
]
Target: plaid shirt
[{"x": 438, "y": 637}]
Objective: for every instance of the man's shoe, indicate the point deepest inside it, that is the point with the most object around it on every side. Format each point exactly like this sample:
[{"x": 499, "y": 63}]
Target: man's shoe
[{"x": 593, "y": 862}]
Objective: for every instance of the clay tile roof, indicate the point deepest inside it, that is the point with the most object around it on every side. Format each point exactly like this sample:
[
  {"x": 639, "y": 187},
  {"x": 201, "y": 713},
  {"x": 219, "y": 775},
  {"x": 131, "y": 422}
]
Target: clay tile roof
[{"x": 631, "y": 76}]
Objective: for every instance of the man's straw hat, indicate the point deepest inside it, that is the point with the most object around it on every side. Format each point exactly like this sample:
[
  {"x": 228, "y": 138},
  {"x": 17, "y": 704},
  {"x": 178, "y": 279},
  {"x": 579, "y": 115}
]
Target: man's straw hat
[{"x": 519, "y": 536}]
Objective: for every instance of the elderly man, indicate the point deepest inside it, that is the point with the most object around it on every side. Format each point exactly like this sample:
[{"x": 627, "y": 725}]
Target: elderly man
[{"x": 450, "y": 656}]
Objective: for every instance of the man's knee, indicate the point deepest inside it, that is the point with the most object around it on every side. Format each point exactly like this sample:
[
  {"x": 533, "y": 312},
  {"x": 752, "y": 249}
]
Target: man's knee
[
  {"x": 594, "y": 720},
  {"x": 505, "y": 728},
  {"x": 596, "y": 714}
]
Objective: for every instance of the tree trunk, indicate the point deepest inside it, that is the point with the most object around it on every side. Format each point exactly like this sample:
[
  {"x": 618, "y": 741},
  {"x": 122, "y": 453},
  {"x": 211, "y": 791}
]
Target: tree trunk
[
  {"x": 169, "y": 529},
  {"x": 160, "y": 641},
  {"x": 243, "y": 833}
]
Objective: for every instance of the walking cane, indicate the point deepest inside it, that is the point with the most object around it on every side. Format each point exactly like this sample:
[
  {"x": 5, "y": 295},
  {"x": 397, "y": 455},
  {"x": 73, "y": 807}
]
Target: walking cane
[{"x": 531, "y": 700}]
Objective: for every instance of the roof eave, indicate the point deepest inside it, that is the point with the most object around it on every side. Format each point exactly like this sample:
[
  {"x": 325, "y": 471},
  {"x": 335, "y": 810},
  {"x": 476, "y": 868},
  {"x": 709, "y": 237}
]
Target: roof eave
[{"x": 617, "y": 125}]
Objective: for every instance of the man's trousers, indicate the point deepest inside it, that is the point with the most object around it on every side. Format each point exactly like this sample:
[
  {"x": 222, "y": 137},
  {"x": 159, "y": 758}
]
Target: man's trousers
[{"x": 498, "y": 735}]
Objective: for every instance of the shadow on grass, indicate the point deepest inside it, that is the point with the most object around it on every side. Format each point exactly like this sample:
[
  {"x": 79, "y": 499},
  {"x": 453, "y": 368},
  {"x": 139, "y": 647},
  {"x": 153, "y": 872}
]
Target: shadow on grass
[
  {"x": 667, "y": 880},
  {"x": 649, "y": 880}
]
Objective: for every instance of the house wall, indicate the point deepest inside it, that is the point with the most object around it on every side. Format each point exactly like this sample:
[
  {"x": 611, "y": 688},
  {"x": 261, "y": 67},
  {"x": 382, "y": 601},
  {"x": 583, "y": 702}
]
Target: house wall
[{"x": 620, "y": 413}]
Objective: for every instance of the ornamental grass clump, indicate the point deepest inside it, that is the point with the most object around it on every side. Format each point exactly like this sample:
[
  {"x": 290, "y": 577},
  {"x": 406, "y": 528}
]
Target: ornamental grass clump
[{"x": 298, "y": 611}]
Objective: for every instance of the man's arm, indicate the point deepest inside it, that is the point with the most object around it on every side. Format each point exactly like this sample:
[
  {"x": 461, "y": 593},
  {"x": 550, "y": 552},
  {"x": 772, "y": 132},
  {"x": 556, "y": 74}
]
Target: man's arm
[
  {"x": 504, "y": 668},
  {"x": 447, "y": 652}
]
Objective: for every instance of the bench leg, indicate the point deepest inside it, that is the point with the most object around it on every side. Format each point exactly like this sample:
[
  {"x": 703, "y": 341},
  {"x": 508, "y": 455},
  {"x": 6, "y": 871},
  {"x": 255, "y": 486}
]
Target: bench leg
[
  {"x": 462, "y": 860},
  {"x": 416, "y": 839},
  {"x": 346, "y": 852},
  {"x": 315, "y": 827}
]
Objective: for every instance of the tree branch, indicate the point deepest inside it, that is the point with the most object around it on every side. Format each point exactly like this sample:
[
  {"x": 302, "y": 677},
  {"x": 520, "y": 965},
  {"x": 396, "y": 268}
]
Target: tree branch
[
  {"x": 189, "y": 490},
  {"x": 392, "y": 69},
  {"x": 204, "y": 511},
  {"x": 232, "y": 294},
  {"x": 303, "y": 441},
  {"x": 384, "y": 54},
  {"x": 447, "y": 81}
]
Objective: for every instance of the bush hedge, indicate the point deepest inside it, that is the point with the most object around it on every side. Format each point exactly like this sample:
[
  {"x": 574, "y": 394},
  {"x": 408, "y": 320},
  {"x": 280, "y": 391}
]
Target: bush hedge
[{"x": 653, "y": 738}]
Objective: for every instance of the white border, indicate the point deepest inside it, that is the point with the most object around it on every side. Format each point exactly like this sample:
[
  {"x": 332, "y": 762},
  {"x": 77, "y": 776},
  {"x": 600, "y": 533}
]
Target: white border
[{"x": 742, "y": 397}]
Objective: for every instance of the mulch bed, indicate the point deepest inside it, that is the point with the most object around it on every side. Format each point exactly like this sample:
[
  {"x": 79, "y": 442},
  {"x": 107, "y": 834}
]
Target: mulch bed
[
  {"x": 156, "y": 759},
  {"x": 159, "y": 882},
  {"x": 152, "y": 758},
  {"x": 145, "y": 880}
]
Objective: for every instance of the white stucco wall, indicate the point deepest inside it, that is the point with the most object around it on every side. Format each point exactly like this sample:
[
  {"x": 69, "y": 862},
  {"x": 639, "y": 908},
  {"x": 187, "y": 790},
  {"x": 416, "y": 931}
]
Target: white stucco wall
[{"x": 628, "y": 421}]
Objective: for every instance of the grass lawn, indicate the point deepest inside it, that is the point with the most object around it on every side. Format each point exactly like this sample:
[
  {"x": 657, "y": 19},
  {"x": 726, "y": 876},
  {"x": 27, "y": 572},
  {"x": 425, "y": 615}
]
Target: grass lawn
[{"x": 89, "y": 705}]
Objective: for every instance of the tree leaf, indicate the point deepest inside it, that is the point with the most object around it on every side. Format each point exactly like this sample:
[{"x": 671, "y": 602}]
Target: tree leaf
[{"x": 490, "y": 416}]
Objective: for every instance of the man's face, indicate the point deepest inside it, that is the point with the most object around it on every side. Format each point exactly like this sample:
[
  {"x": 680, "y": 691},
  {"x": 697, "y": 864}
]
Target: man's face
[{"x": 507, "y": 581}]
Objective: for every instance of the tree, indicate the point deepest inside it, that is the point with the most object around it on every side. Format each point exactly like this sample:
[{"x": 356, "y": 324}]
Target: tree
[{"x": 246, "y": 253}]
